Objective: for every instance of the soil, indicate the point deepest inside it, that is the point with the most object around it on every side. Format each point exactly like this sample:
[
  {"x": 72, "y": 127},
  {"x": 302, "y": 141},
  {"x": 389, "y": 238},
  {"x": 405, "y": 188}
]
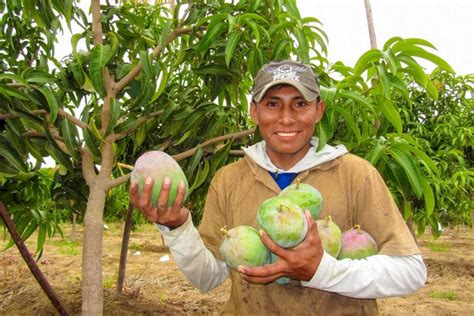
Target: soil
[{"x": 154, "y": 285}]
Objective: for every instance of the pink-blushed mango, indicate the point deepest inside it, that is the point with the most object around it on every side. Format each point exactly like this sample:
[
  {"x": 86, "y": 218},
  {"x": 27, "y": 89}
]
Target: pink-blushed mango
[
  {"x": 330, "y": 235},
  {"x": 158, "y": 165},
  {"x": 283, "y": 221},
  {"x": 242, "y": 245},
  {"x": 357, "y": 244},
  {"x": 306, "y": 196}
]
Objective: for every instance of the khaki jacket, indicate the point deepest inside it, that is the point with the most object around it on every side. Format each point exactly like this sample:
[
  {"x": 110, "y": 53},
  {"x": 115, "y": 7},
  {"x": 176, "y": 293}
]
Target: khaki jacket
[{"x": 353, "y": 193}]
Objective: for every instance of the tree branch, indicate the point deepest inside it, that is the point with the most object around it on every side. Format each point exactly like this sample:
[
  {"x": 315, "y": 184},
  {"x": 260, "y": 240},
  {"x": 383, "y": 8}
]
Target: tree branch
[
  {"x": 140, "y": 120},
  {"x": 233, "y": 136},
  {"x": 156, "y": 51},
  {"x": 61, "y": 113},
  {"x": 186, "y": 154},
  {"x": 118, "y": 181},
  {"x": 88, "y": 169}
]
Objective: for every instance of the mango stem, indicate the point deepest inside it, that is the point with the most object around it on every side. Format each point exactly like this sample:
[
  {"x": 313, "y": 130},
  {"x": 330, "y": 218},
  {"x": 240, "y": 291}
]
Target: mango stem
[{"x": 224, "y": 231}]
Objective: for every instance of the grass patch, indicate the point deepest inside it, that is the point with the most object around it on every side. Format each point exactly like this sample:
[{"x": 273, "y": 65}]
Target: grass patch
[
  {"x": 444, "y": 295},
  {"x": 69, "y": 248},
  {"x": 439, "y": 247},
  {"x": 134, "y": 246},
  {"x": 109, "y": 282}
]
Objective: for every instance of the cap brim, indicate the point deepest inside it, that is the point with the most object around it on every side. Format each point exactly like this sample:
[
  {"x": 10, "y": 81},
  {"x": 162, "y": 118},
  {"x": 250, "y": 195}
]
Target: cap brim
[{"x": 309, "y": 95}]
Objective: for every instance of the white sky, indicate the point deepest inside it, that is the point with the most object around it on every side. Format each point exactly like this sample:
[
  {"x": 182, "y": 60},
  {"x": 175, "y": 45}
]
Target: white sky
[{"x": 447, "y": 24}]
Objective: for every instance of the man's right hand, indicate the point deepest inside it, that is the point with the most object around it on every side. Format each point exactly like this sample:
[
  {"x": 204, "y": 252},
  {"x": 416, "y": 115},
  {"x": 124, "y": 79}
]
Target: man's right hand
[{"x": 172, "y": 216}]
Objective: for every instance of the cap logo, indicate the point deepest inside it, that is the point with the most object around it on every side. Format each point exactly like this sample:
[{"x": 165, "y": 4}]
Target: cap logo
[{"x": 285, "y": 72}]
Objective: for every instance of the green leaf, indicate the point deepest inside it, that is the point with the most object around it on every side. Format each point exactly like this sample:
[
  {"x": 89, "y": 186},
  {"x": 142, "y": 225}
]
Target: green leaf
[
  {"x": 403, "y": 44},
  {"x": 366, "y": 60},
  {"x": 13, "y": 77},
  {"x": 70, "y": 135},
  {"x": 38, "y": 76},
  {"x": 390, "y": 112},
  {"x": 374, "y": 155},
  {"x": 10, "y": 154},
  {"x": 99, "y": 57},
  {"x": 349, "y": 120},
  {"x": 165, "y": 33},
  {"x": 428, "y": 197},
  {"x": 115, "y": 112},
  {"x": 210, "y": 37},
  {"x": 328, "y": 94},
  {"x": 279, "y": 51},
  {"x": 251, "y": 16},
  {"x": 219, "y": 158},
  {"x": 52, "y": 103},
  {"x": 410, "y": 168},
  {"x": 391, "y": 60},
  {"x": 419, "y": 52},
  {"x": 194, "y": 161},
  {"x": 146, "y": 63},
  {"x": 232, "y": 42},
  {"x": 200, "y": 177},
  {"x": 12, "y": 92},
  {"x": 419, "y": 154},
  {"x": 163, "y": 81},
  {"x": 91, "y": 143},
  {"x": 184, "y": 137},
  {"x": 384, "y": 81}
]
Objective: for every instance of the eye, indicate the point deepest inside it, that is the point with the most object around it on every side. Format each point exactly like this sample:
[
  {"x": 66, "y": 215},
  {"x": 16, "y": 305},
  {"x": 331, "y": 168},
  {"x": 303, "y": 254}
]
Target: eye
[
  {"x": 272, "y": 104},
  {"x": 301, "y": 104}
]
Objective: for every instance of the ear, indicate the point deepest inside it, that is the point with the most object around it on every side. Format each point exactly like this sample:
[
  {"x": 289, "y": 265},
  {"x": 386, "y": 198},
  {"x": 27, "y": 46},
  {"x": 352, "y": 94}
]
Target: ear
[
  {"x": 253, "y": 112},
  {"x": 320, "y": 108}
]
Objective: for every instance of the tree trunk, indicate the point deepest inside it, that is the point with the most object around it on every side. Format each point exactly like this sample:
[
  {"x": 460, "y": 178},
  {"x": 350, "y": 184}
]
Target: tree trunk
[
  {"x": 92, "y": 289},
  {"x": 35, "y": 270},
  {"x": 123, "y": 253},
  {"x": 74, "y": 228},
  {"x": 370, "y": 23}
]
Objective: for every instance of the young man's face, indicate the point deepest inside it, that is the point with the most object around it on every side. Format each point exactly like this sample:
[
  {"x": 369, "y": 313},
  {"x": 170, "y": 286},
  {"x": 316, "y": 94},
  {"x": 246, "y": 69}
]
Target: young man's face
[{"x": 286, "y": 122}]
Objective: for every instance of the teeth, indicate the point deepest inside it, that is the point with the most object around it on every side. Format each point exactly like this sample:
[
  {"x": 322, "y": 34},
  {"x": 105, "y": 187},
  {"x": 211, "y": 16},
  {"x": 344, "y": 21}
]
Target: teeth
[{"x": 286, "y": 134}]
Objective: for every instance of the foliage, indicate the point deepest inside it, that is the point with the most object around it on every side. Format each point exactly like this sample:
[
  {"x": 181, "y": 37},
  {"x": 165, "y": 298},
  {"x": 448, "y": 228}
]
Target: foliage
[
  {"x": 27, "y": 199},
  {"x": 444, "y": 129},
  {"x": 140, "y": 76},
  {"x": 362, "y": 114}
]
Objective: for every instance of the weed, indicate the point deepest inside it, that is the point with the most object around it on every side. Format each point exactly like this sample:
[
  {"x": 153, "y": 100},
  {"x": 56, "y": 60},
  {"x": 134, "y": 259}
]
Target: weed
[
  {"x": 439, "y": 247},
  {"x": 444, "y": 295}
]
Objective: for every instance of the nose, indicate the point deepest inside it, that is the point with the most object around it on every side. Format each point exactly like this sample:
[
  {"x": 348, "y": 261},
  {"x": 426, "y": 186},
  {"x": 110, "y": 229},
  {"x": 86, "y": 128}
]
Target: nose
[{"x": 286, "y": 116}]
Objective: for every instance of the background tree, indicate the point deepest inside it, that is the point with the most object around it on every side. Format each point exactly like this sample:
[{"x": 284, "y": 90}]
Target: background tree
[{"x": 175, "y": 76}]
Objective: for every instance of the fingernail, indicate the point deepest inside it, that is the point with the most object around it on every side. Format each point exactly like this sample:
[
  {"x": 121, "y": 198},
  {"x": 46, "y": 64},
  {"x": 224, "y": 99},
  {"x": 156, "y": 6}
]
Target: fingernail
[
  {"x": 167, "y": 181},
  {"x": 148, "y": 180},
  {"x": 240, "y": 269},
  {"x": 260, "y": 232}
]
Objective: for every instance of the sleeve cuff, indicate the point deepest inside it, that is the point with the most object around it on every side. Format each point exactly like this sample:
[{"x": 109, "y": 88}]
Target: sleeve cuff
[
  {"x": 166, "y": 231},
  {"x": 326, "y": 261}
]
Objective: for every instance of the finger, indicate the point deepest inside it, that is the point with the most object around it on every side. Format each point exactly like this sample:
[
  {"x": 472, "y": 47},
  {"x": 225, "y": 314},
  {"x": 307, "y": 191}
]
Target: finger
[
  {"x": 134, "y": 194},
  {"x": 179, "y": 199},
  {"x": 268, "y": 270},
  {"x": 145, "y": 196},
  {"x": 271, "y": 245},
  {"x": 258, "y": 275},
  {"x": 164, "y": 194}
]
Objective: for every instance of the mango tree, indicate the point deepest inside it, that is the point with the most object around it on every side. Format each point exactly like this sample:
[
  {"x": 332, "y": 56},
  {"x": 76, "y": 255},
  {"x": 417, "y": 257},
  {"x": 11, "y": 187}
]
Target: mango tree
[
  {"x": 364, "y": 113},
  {"x": 174, "y": 74}
]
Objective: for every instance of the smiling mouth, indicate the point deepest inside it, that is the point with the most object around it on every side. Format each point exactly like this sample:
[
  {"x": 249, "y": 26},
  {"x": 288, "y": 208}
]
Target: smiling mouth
[{"x": 286, "y": 134}]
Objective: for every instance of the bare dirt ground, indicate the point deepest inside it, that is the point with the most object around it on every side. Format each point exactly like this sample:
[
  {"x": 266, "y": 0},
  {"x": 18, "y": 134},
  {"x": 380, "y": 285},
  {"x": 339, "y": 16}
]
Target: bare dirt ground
[{"x": 154, "y": 286}]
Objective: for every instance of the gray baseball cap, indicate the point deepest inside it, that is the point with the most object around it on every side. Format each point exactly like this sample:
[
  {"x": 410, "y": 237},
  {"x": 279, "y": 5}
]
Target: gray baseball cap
[{"x": 289, "y": 72}]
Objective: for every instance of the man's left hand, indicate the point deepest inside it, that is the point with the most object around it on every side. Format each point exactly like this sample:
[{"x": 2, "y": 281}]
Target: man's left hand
[{"x": 298, "y": 263}]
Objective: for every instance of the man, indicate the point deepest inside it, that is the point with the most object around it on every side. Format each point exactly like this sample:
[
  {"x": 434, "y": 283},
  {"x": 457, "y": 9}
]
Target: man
[{"x": 286, "y": 107}]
